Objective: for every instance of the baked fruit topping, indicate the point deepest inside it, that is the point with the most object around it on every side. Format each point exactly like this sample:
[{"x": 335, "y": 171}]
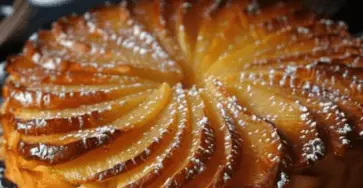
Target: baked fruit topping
[{"x": 186, "y": 93}]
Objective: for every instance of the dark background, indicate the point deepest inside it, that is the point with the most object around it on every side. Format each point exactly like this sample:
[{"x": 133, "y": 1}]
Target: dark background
[{"x": 349, "y": 11}]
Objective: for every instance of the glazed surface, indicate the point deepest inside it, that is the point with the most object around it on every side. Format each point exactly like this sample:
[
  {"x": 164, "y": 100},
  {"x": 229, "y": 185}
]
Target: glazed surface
[{"x": 186, "y": 94}]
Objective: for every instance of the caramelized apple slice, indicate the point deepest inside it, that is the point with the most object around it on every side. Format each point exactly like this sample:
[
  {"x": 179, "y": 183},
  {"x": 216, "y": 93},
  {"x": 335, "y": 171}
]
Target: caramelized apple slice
[
  {"x": 353, "y": 74},
  {"x": 201, "y": 147},
  {"x": 114, "y": 55},
  {"x": 212, "y": 36},
  {"x": 351, "y": 77},
  {"x": 311, "y": 75},
  {"x": 229, "y": 25},
  {"x": 291, "y": 118},
  {"x": 125, "y": 153},
  {"x": 185, "y": 134},
  {"x": 48, "y": 99},
  {"x": 152, "y": 15},
  {"x": 236, "y": 60},
  {"x": 20, "y": 67},
  {"x": 223, "y": 25},
  {"x": 48, "y": 54},
  {"x": 92, "y": 26},
  {"x": 147, "y": 172},
  {"x": 320, "y": 46},
  {"x": 78, "y": 78},
  {"x": 51, "y": 154},
  {"x": 149, "y": 13},
  {"x": 35, "y": 122},
  {"x": 327, "y": 49},
  {"x": 26, "y": 114},
  {"x": 322, "y": 75},
  {"x": 317, "y": 81},
  {"x": 227, "y": 28},
  {"x": 331, "y": 121},
  {"x": 266, "y": 32},
  {"x": 63, "y": 147},
  {"x": 205, "y": 36},
  {"x": 196, "y": 148},
  {"x": 261, "y": 148},
  {"x": 351, "y": 108},
  {"x": 169, "y": 13},
  {"x": 331, "y": 64},
  {"x": 188, "y": 17},
  {"x": 223, "y": 164},
  {"x": 298, "y": 26},
  {"x": 253, "y": 14},
  {"x": 51, "y": 97}
]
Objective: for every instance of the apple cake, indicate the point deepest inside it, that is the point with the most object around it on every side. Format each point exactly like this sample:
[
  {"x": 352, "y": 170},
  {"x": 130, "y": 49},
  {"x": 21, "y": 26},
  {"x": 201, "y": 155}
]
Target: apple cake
[{"x": 183, "y": 93}]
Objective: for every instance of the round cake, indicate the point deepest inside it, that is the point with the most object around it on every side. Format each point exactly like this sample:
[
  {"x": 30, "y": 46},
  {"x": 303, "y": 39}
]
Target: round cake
[{"x": 186, "y": 93}]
